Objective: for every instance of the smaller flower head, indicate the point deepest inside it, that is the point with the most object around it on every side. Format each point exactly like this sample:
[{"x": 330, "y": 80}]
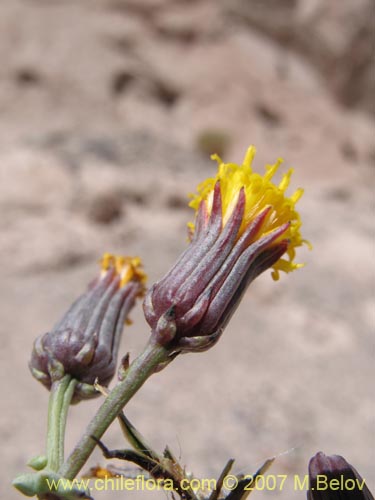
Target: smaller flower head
[
  {"x": 85, "y": 342},
  {"x": 333, "y": 478},
  {"x": 244, "y": 224}
]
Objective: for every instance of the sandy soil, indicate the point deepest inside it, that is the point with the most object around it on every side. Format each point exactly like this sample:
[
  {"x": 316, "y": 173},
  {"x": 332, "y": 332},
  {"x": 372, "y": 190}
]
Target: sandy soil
[{"x": 108, "y": 112}]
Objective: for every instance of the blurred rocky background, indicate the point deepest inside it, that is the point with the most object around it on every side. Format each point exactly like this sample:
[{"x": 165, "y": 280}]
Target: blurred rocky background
[{"x": 109, "y": 110}]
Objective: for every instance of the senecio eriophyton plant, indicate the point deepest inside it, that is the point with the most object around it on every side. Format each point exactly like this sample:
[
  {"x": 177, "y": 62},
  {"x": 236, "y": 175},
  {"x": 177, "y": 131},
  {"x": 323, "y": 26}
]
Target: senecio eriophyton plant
[
  {"x": 85, "y": 342},
  {"x": 244, "y": 224}
]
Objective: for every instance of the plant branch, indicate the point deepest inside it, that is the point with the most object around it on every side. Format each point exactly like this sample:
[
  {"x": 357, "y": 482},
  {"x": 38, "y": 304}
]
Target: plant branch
[
  {"x": 60, "y": 397},
  {"x": 138, "y": 372}
]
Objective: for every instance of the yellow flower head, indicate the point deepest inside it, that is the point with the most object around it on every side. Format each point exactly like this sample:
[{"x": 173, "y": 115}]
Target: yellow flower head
[
  {"x": 128, "y": 268},
  {"x": 260, "y": 193}
]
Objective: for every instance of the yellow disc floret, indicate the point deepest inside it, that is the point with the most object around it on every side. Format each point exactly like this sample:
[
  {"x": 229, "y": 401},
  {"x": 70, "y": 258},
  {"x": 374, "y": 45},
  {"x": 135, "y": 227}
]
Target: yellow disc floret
[
  {"x": 128, "y": 268},
  {"x": 260, "y": 192}
]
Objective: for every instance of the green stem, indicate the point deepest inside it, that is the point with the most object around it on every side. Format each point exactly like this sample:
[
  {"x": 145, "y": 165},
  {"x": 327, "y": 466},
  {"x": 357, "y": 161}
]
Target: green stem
[
  {"x": 60, "y": 397},
  {"x": 138, "y": 372}
]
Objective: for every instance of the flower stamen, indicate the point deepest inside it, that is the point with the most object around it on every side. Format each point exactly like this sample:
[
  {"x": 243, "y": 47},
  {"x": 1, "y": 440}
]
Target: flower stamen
[
  {"x": 260, "y": 192},
  {"x": 128, "y": 268}
]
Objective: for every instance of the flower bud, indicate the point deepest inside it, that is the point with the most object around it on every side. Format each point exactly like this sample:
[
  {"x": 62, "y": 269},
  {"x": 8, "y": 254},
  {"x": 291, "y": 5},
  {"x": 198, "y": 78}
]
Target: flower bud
[
  {"x": 85, "y": 342},
  {"x": 244, "y": 224},
  {"x": 333, "y": 478}
]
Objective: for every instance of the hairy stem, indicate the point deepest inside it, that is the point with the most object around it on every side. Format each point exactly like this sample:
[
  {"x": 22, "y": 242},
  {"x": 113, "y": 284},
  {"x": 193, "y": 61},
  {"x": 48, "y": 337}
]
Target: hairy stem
[
  {"x": 138, "y": 372},
  {"x": 60, "y": 397}
]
